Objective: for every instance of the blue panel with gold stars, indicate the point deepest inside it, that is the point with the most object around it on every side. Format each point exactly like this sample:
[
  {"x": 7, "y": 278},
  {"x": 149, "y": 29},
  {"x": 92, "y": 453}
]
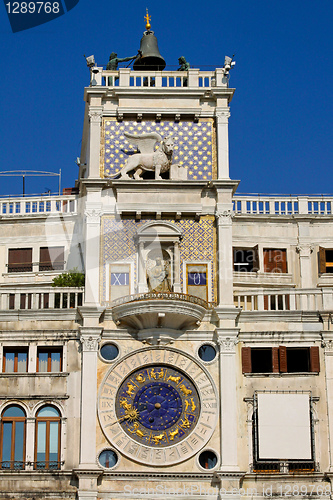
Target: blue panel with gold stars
[
  {"x": 157, "y": 405},
  {"x": 194, "y": 145}
]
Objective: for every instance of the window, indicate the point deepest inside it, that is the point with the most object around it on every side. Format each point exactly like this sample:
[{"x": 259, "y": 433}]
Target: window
[
  {"x": 280, "y": 359},
  {"x": 282, "y": 432},
  {"x": 325, "y": 260},
  {"x": 13, "y": 438},
  {"x": 108, "y": 458},
  {"x": 119, "y": 280},
  {"x": 275, "y": 260},
  {"x": 19, "y": 260},
  {"x": 207, "y": 459},
  {"x": 109, "y": 352},
  {"x": 197, "y": 280},
  {"x": 49, "y": 359},
  {"x": 51, "y": 258},
  {"x": 15, "y": 360},
  {"x": 47, "y": 450},
  {"x": 246, "y": 259}
]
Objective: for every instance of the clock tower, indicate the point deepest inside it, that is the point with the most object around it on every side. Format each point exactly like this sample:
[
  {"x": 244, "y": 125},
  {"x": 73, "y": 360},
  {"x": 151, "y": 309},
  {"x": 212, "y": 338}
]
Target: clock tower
[{"x": 158, "y": 405}]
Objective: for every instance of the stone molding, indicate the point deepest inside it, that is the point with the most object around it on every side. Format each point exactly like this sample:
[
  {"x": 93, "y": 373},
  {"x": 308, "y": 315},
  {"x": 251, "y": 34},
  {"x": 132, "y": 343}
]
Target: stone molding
[{"x": 93, "y": 215}]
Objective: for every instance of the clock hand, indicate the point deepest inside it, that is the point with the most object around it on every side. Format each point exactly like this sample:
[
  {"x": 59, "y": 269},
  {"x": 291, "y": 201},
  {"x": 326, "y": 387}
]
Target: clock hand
[{"x": 131, "y": 414}]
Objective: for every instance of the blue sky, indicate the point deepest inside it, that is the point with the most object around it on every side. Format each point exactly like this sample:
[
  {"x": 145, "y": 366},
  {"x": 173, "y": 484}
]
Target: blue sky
[{"x": 281, "y": 132}]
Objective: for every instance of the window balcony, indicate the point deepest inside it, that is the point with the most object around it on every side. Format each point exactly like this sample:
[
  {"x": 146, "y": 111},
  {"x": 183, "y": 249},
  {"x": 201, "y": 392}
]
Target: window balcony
[{"x": 177, "y": 311}]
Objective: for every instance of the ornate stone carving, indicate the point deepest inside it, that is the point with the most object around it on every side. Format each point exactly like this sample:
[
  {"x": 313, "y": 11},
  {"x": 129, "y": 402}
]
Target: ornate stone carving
[
  {"x": 304, "y": 250},
  {"x": 95, "y": 116},
  {"x": 90, "y": 342},
  {"x": 227, "y": 344},
  {"x": 328, "y": 346},
  {"x": 93, "y": 215},
  {"x": 224, "y": 217},
  {"x": 222, "y": 116}
]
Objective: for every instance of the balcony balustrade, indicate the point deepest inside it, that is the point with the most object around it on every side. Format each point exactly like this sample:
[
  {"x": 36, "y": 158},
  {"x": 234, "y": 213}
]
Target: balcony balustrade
[
  {"x": 37, "y": 205},
  {"x": 283, "y": 205},
  {"x": 40, "y": 298}
]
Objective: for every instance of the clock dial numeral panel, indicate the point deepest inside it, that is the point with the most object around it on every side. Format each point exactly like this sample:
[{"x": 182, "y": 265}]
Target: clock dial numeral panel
[{"x": 158, "y": 407}]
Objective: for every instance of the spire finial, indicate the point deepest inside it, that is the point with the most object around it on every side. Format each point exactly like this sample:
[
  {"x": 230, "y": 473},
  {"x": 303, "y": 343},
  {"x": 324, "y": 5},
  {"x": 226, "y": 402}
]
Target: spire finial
[{"x": 147, "y": 18}]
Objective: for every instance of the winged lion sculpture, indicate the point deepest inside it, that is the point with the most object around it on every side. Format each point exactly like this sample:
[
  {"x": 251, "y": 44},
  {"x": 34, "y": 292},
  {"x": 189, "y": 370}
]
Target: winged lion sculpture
[{"x": 148, "y": 159}]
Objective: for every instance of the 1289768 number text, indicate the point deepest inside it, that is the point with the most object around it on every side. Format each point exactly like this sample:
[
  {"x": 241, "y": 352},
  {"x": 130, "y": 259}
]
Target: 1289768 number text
[{"x": 33, "y": 7}]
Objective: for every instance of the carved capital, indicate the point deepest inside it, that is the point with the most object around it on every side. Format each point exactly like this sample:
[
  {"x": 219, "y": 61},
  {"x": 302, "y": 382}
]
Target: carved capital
[
  {"x": 328, "y": 346},
  {"x": 227, "y": 345},
  {"x": 90, "y": 342},
  {"x": 224, "y": 217},
  {"x": 93, "y": 215},
  {"x": 304, "y": 250},
  {"x": 222, "y": 116},
  {"x": 95, "y": 116}
]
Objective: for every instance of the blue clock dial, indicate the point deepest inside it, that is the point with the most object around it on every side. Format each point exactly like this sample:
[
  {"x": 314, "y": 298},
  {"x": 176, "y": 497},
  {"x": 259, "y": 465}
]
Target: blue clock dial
[{"x": 157, "y": 405}]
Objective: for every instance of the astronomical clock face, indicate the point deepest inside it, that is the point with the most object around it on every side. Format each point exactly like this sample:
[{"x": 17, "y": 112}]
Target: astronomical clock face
[{"x": 158, "y": 407}]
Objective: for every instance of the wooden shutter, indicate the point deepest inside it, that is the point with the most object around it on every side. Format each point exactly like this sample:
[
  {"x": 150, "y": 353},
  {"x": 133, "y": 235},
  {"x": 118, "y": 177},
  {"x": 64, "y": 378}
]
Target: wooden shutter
[
  {"x": 275, "y": 359},
  {"x": 275, "y": 260},
  {"x": 283, "y": 359},
  {"x": 314, "y": 359},
  {"x": 246, "y": 360},
  {"x": 266, "y": 302},
  {"x": 322, "y": 260},
  {"x": 255, "y": 258},
  {"x": 20, "y": 259}
]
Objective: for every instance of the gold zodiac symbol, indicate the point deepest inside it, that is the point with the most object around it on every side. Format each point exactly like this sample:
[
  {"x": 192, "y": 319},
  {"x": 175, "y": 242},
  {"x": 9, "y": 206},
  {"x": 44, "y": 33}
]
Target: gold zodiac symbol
[
  {"x": 173, "y": 434},
  {"x": 130, "y": 389},
  {"x": 137, "y": 430},
  {"x": 124, "y": 404},
  {"x": 140, "y": 378},
  {"x": 187, "y": 404},
  {"x": 156, "y": 375},
  {"x": 184, "y": 389},
  {"x": 193, "y": 407},
  {"x": 185, "y": 423},
  {"x": 158, "y": 438},
  {"x": 174, "y": 379}
]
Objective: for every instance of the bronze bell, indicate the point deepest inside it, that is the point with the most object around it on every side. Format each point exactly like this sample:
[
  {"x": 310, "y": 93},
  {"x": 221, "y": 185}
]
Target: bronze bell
[{"x": 150, "y": 58}]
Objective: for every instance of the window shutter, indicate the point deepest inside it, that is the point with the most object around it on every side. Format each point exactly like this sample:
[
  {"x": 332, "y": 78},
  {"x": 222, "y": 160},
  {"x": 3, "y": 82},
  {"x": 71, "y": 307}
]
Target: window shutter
[
  {"x": 44, "y": 255},
  {"x": 314, "y": 359},
  {"x": 275, "y": 359},
  {"x": 266, "y": 302},
  {"x": 255, "y": 258},
  {"x": 275, "y": 260},
  {"x": 283, "y": 359},
  {"x": 246, "y": 360},
  {"x": 322, "y": 260}
]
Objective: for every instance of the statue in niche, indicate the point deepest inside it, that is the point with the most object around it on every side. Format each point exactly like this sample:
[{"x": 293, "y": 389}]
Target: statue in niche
[
  {"x": 158, "y": 273},
  {"x": 148, "y": 159}
]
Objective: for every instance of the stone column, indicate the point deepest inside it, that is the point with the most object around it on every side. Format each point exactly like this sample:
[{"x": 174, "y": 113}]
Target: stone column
[
  {"x": 222, "y": 117},
  {"x": 228, "y": 401},
  {"x": 90, "y": 337},
  {"x": 142, "y": 286},
  {"x": 305, "y": 251},
  {"x": 92, "y": 252},
  {"x": 95, "y": 119},
  {"x": 176, "y": 285},
  {"x": 225, "y": 257},
  {"x": 30, "y": 439},
  {"x": 328, "y": 352}
]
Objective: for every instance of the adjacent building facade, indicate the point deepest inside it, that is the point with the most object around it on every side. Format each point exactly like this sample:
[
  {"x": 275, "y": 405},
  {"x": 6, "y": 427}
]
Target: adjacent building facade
[{"x": 197, "y": 360}]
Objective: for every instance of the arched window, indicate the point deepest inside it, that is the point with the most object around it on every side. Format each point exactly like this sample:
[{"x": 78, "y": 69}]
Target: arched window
[
  {"x": 47, "y": 448},
  {"x": 13, "y": 438}
]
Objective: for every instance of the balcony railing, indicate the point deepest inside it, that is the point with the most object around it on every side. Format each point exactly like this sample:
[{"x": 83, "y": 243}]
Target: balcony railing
[
  {"x": 42, "y": 298},
  {"x": 40, "y": 465},
  {"x": 42, "y": 205},
  {"x": 283, "y": 205},
  {"x": 158, "y": 296},
  {"x": 193, "y": 78},
  {"x": 285, "y": 299}
]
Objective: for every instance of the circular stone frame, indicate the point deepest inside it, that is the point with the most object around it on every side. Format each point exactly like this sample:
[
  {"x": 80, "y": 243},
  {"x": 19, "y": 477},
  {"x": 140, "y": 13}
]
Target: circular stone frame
[{"x": 145, "y": 454}]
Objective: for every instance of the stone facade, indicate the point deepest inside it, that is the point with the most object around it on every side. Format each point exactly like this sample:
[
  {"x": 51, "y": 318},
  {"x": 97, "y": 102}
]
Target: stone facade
[{"x": 196, "y": 361}]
